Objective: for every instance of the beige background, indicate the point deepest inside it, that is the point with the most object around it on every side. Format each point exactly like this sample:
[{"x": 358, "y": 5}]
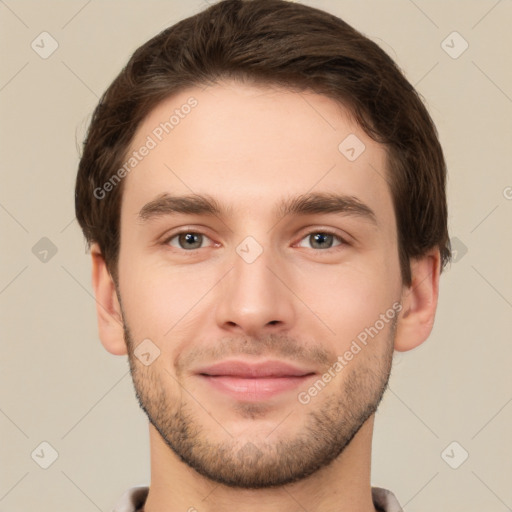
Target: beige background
[{"x": 60, "y": 386}]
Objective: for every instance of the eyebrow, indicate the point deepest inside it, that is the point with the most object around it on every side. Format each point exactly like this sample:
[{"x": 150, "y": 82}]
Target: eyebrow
[{"x": 306, "y": 204}]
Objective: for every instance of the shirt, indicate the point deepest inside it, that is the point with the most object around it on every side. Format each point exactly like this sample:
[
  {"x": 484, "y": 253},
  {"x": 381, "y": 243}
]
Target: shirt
[{"x": 134, "y": 498}]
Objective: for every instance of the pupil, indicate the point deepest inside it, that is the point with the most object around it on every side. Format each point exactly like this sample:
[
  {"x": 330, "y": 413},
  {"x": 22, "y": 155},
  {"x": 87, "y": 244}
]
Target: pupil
[
  {"x": 321, "y": 237},
  {"x": 190, "y": 239}
]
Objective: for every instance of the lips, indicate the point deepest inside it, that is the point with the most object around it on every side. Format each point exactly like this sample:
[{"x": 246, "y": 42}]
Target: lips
[
  {"x": 254, "y": 382},
  {"x": 246, "y": 370}
]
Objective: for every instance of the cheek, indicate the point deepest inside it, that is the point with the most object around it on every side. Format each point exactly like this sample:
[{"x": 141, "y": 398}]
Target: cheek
[
  {"x": 158, "y": 301},
  {"x": 351, "y": 298}
]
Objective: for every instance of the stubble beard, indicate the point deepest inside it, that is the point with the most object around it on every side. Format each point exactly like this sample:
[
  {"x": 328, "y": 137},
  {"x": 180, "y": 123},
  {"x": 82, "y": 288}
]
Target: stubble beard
[{"x": 328, "y": 427}]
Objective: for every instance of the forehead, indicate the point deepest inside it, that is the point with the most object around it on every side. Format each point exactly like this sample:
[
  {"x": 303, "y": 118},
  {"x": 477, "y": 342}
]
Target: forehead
[{"x": 249, "y": 146}]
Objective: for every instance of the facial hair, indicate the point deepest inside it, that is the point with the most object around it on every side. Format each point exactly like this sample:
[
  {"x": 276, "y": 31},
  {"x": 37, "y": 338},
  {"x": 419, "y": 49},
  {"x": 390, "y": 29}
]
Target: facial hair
[{"x": 328, "y": 428}]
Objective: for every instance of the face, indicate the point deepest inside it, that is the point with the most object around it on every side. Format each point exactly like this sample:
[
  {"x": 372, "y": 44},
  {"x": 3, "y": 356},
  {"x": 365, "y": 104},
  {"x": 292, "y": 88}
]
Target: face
[{"x": 259, "y": 269}]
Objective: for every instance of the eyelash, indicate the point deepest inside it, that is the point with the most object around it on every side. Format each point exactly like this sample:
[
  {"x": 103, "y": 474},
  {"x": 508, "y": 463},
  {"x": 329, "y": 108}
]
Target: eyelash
[{"x": 316, "y": 231}]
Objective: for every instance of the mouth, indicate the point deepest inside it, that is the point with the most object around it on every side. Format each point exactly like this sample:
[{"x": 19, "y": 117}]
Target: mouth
[{"x": 254, "y": 381}]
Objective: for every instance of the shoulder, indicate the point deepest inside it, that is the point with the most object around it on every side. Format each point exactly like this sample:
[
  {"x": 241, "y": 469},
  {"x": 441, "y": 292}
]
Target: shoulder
[
  {"x": 132, "y": 500},
  {"x": 385, "y": 501}
]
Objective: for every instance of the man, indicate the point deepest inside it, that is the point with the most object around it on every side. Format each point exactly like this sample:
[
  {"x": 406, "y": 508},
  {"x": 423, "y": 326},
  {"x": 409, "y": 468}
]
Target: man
[{"x": 264, "y": 195}]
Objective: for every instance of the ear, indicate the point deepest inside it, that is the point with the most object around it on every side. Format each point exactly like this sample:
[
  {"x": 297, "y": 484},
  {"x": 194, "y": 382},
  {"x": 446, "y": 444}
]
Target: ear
[
  {"x": 419, "y": 302},
  {"x": 108, "y": 309}
]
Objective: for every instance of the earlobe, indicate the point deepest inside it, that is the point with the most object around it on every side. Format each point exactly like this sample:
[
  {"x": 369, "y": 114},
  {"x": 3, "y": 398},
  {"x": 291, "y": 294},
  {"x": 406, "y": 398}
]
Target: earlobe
[
  {"x": 108, "y": 309},
  {"x": 419, "y": 302}
]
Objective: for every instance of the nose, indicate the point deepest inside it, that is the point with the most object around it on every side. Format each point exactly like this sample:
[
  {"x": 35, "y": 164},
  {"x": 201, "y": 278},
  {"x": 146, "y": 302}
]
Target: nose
[{"x": 256, "y": 298}]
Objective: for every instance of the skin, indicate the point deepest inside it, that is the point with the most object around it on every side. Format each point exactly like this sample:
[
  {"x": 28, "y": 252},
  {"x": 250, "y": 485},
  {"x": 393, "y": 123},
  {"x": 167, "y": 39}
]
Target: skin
[{"x": 301, "y": 302}]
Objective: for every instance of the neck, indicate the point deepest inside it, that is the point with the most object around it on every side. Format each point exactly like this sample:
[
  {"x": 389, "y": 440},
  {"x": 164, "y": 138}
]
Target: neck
[{"x": 342, "y": 485}]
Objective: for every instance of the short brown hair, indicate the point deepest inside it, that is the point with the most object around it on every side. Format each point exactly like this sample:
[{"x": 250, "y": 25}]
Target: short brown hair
[{"x": 281, "y": 43}]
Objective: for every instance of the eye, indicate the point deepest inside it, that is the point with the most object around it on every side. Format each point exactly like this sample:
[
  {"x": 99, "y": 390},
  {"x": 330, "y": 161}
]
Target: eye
[
  {"x": 188, "y": 240},
  {"x": 192, "y": 240},
  {"x": 322, "y": 240}
]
